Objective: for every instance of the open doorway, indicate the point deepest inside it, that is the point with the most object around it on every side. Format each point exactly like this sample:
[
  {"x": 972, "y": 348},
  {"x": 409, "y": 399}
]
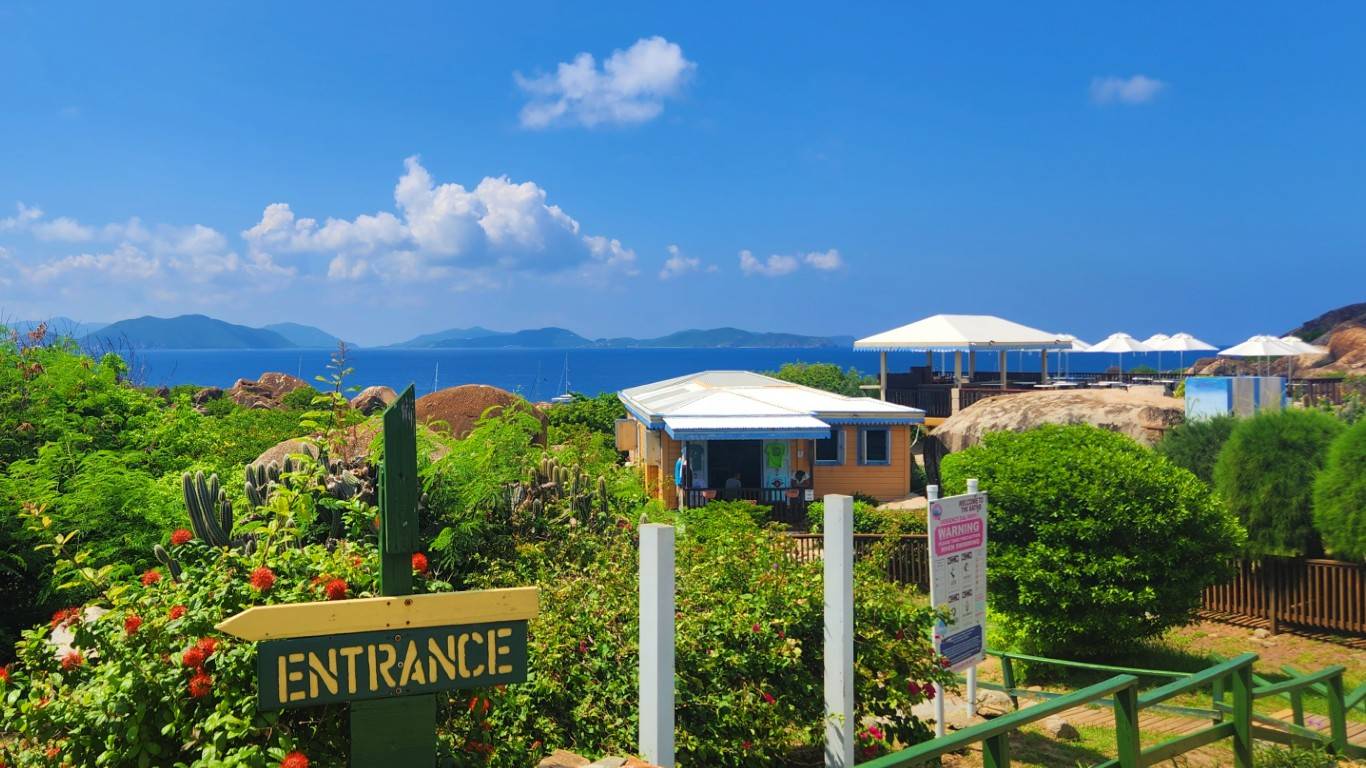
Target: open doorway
[{"x": 726, "y": 458}]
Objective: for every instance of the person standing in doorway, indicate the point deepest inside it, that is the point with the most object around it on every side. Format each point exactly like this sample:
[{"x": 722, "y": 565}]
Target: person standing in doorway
[{"x": 682, "y": 478}]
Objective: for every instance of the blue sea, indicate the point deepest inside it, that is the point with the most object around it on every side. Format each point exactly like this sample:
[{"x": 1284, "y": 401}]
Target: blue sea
[{"x": 539, "y": 374}]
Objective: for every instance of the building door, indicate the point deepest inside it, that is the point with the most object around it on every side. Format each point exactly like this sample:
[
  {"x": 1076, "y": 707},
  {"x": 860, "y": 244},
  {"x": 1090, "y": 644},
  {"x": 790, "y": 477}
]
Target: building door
[
  {"x": 777, "y": 466},
  {"x": 697, "y": 460}
]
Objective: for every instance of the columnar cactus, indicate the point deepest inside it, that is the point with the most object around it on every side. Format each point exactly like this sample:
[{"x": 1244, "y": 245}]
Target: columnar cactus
[
  {"x": 172, "y": 565},
  {"x": 209, "y": 508}
]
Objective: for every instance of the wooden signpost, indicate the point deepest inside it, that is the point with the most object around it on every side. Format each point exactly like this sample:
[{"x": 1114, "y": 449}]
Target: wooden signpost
[{"x": 389, "y": 655}]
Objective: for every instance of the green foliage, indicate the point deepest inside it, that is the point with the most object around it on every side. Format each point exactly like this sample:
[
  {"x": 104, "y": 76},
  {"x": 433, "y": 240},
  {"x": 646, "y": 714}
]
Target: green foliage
[
  {"x": 1340, "y": 496},
  {"x": 1266, "y": 474},
  {"x": 826, "y": 376},
  {"x": 598, "y": 414},
  {"x": 300, "y": 399},
  {"x": 869, "y": 519},
  {"x": 749, "y": 633},
  {"x": 1276, "y": 756},
  {"x": 1095, "y": 541},
  {"x": 1195, "y": 445}
]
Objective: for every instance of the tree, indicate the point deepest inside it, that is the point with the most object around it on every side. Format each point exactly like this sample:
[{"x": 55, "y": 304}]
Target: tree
[
  {"x": 826, "y": 376},
  {"x": 1340, "y": 496},
  {"x": 1095, "y": 542},
  {"x": 1195, "y": 444},
  {"x": 1265, "y": 472}
]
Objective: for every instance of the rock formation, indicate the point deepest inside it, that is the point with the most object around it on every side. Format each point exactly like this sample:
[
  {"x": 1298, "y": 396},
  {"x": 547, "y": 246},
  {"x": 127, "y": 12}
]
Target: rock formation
[
  {"x": 266, "y": 392},
  {"x": 1141, "y": 413},
  {"x": 373, "y": 399},
  {"x": 457, "y": 409}
]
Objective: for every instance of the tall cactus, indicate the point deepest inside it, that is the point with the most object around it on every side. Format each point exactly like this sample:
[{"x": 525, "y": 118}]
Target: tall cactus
[
  {"x": 209, "y": 508},
  {"x": 172, "y": 565}
]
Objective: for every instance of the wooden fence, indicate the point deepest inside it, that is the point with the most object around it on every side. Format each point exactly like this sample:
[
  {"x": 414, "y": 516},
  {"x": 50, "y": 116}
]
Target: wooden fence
[
  {"x": 1314, "y": 594},
  {"x": 1321, "y": 594}
]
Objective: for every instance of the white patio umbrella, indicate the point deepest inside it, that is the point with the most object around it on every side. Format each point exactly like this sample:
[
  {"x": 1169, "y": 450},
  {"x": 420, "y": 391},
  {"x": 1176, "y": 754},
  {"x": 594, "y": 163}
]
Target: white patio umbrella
[
  {"x": 1183, "y": 343},
  {"x": 1261, "y": 346},
  {"x": 1119, "y": 343},
  {"x": 1156, "y": 342},
  {"x": 1077, "y": 345},
  {"x": 1304, "y": 348}
]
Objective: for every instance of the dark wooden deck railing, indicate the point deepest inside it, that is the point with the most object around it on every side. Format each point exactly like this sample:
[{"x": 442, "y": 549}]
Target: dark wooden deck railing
[
  {"x": 910, "y": 562},
  {"x": 787, "y": 505},
  {"x": 1320, "y": 594}
]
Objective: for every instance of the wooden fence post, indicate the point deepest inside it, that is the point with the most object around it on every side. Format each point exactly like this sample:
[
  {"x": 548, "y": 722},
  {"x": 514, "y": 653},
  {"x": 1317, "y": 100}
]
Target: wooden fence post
[
  {"x": 1337, "y": 714},
  {"x": 839, "y": 631},
  {"x": 1242, "y": 716},
  {"x": 1126, "y": 727},
  {"x": 657, "y": 644}
]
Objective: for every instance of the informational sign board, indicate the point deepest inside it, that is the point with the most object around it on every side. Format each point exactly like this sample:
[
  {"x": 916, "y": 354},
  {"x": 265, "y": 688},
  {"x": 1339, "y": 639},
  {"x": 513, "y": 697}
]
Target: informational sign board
[{"x": 958, "y": 577}]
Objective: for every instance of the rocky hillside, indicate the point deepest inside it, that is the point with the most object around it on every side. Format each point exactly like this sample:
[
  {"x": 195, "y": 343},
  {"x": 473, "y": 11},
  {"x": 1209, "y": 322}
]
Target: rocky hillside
[
  {"x": 1326, "y": 322},
  {"x": 1342, "y": 331}
]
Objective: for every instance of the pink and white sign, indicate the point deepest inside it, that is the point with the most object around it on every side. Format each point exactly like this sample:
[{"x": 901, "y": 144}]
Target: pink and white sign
[{"x": 958, "y": 576}]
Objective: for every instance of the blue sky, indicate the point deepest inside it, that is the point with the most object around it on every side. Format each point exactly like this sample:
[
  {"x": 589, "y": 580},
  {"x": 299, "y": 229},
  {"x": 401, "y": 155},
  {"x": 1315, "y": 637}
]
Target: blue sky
[{"x": 1079, "y": 167}]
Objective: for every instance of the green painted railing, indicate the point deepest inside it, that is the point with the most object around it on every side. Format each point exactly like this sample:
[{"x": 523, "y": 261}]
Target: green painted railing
[{"x": 1236, "y": 721}]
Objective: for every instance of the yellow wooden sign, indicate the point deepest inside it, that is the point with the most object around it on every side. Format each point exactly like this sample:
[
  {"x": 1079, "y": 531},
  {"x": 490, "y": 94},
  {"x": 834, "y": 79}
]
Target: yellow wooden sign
[{"x": 370, "y": 614}]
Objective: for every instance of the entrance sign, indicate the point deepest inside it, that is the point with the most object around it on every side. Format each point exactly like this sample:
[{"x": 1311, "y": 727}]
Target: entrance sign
[
  {"x": 958, "y": 577},
  {"x": 389, "y": 655},
  {"x": 308, "y": 671}
]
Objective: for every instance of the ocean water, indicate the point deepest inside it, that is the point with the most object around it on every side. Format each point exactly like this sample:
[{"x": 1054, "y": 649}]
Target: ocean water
[{"x": 540, "y": 374}]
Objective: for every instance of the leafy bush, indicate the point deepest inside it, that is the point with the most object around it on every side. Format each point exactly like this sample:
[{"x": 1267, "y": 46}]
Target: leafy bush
[
  {"x": 1095, "y": 542},
  {"x": 869, "y": 519},
  {"x": 1340, "y": 495},
  {"x": 1275, "y": 756},
  {"x": 1195, "y": 444},
  {"x": 1266, "y": 474},
  {"x": 598, "y": 414},
  {"x": 826, "y": 376},
  {"x": 300, "y": 399}
]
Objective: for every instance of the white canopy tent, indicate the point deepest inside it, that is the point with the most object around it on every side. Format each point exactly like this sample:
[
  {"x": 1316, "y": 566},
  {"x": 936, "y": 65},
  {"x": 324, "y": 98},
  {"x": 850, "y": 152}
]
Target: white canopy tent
[
  {"x": 1120, "y": 343},
  {"x": 961, "y": 333}
]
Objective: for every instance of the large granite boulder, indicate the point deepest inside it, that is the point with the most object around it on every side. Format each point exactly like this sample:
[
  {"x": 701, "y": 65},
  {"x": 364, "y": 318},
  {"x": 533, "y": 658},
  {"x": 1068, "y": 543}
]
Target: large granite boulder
[
  {"x": 456, "y": 410},
  {"x": 266, "y": 392},
  {"x": 1142, "y": 413},
  {"x": 373, "y": 399}
]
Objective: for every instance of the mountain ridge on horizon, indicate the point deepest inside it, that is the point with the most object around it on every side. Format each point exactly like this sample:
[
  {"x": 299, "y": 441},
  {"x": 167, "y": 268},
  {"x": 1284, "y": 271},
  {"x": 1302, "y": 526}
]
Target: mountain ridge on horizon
[{"x": 202, "y": 332}]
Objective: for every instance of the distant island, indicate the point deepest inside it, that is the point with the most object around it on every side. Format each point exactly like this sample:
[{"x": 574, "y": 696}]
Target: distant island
[{"x": 199, "y": 332}]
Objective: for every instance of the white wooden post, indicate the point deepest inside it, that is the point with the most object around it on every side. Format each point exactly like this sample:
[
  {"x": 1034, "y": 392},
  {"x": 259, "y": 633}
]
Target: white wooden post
[
  {"x": 657, "y": 644},
  {"x": 972, "y": 670},
  {"x": 932, "y": 495},
  {"x": 839, "y": 631},
  {"x": 882, "y": 374}
]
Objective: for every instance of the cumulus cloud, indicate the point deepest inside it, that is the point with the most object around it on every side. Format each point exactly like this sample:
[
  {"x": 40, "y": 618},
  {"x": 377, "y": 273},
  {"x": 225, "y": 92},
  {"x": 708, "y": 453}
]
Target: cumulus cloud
[
  {"x": 824, "y": 260},
  {"x": 124, "y": 262},
  {"x": 62, "y": 229},
  {"x": 21, "y": 220},
  {"x": 630, "y": 87},
  {"x": 774, "y": 266},
  {"x": 499, "y": 224},
  {"x": 677, "y": 264},
  {"x": 1138, "y": 89}
]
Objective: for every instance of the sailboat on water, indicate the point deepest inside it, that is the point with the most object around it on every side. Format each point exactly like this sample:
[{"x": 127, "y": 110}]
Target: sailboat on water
[{"x": 564, "y": 396}]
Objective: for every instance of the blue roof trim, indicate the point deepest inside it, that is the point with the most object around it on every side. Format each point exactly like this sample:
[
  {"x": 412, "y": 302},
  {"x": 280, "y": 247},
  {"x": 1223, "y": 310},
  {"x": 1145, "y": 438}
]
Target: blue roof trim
[
  {"x": 748, "y": 434},
  {"x": 642, "y": 419}
]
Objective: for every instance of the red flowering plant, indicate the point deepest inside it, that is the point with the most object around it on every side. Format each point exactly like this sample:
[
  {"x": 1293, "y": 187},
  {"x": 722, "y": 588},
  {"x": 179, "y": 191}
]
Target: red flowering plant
[{"x": 170, "y": 686}]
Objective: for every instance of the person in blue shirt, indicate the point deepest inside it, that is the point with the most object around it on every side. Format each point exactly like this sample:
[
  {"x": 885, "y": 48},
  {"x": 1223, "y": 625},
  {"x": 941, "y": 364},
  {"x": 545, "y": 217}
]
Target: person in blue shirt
[{"x": 682, "y": 479}]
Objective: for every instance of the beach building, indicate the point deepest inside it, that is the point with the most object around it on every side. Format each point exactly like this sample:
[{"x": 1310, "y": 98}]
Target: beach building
[{"x": 753, "y": 437}]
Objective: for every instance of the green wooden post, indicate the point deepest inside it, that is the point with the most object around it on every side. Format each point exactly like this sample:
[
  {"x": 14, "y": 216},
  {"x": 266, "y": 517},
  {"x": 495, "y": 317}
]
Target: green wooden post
[
  {"x": 1337, "y": 714},
  {"x": 1008, "y": 677},
  {"x": 996, "y": 751},
  {"x": 400, "y": 731},
  {"x": 1297, "y": 707},
  {"x": 1126, "y": 727},
  {"x": 1216, "y": 698},
  {"x": 1242, "y": 716}
]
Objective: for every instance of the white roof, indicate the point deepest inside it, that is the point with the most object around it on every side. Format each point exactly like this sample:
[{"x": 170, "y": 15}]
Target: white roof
[
  {"x": 963, "y": 332},
  {"x": 1261, "y": 346},
  {"x": 1074, "y": 344},
  {"x": 1120, "y": 342},
  {"x": 741, "y": 399}
]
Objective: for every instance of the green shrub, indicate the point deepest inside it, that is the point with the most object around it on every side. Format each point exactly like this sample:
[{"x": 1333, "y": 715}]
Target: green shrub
[
  {"x": 869, "y": 519},
  {"x": 826, "y": 376},
  {"x": 1340, "y": 496},
  {"x": 1266, "y": 473},
  {"x": 598, "y": 414},
  {"x": 1195, "y": 444},
  {"x": 1275, "y": 756},
  {"x": 1095, "y": 542},
  {"x": 300, "y": 399}
]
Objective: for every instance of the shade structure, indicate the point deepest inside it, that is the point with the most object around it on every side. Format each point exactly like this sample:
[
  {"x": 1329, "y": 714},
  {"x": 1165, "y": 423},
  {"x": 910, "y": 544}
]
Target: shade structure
[
  {"x": 1304, "y": 347},
  {"x": 1262, "y": 345},
  {"x": 1076, "y": 345},
  {"x": 1119, "y": 343},
  {"x": 962, "y": 332},
  {"x": 1155, "y": 342},
  {"x": 1181, "y": 343}
]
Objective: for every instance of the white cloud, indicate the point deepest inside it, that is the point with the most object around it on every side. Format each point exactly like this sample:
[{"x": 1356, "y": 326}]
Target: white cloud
[
  {"x": 26, "y": 215},
  {"x": 827, "y": 260},
  {"x": 677, "y": 264},
  {"x": 631, "y": 86},
  {"x": 500, "y": 224},
  {"x": 1138, "y": 89},
  {"x": 774, "y": 266},
  {"x": 62, "y": 229},
  {"x": 124, "y": 262}
]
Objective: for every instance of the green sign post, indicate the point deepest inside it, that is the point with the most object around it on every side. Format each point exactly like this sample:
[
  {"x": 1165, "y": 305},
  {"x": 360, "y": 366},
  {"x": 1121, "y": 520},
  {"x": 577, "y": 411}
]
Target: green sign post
[{"x": 389, "y": 655}]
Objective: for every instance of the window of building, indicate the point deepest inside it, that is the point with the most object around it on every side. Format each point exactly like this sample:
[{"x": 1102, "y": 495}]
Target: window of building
[
  {"x": 875, "y": 446},
  {"x": 830, "y": 450}
]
